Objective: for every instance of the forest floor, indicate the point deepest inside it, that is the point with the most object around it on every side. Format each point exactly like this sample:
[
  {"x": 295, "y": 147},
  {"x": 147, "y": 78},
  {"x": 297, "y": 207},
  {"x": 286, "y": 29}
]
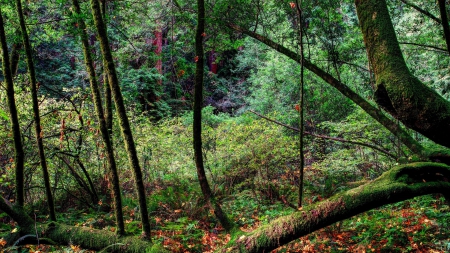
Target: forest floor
[{"x": 419, "y": 225}]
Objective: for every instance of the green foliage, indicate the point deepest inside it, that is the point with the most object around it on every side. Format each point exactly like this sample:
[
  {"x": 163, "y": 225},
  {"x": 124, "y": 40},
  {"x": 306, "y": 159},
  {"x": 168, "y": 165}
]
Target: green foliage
[
  {"x": 3, "y": 115},
  {"x": 274, "y": 87}
]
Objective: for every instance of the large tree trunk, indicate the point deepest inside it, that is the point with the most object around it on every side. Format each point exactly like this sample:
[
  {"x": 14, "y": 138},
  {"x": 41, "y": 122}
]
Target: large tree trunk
[
  {"x": 112, "y": 168},
  {"x": 398, "y": 184},
  {"x": 37, "y": 119},
  {"x": 370, "y": 109},
  {"x": 122, "y": 115},
  {"x": 197, "y": 125},
  {"x": 19, "y": 154},
  {"x": 397, "y": 90}
]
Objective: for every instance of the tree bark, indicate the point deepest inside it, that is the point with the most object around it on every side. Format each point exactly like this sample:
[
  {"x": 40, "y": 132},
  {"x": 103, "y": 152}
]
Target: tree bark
[
  {"x": 106, "y": 88},
  {"x": 112, "y": 167},
  {"x": 122, "y": 115},
  {"x": 39, "y": 131},
  {"x": 370, "y": 109},
  {"x": 398, "y": 184},
  {"x": 301, "y": 106},
  {"x": 197, "y": 125},
  {"x": 19, "y": 154},
  {"x": 399, "y": 92}
]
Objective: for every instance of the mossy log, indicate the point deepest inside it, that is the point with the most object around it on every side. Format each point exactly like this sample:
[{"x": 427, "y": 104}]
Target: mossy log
[
  {"x": 398, "y": 184},
  {"x": 87, "y": 238}
]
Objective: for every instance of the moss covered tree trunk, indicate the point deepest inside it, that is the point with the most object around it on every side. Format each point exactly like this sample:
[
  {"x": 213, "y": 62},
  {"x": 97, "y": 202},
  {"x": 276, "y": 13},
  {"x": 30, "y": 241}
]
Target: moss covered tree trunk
[
  {"x": 397, "y": 90},
  {"x": 122, "y": 115},
  {"x": 19, "y": 154},
  {"x": 39, "y": 131},
  {"x": 107, "y": 89},
  {"x": 112, "y": 168},
  {"x": 197, "y": 126}
]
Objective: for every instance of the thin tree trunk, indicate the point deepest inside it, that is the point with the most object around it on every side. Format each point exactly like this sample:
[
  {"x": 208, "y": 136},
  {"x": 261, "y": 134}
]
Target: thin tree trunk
[
  {"x": 79, "y": 179},
  {"x": 122, "y": 115},
  {"x": 39, "y": 131},
  {"x": 101, "y": 118},
  {"x": 88, "y": 178},
  {"x": 107, "y": 89},
  {"x": 197, "y": 126},
  {"x": 19, "y": 155},
  {"x": 15, "y": 57},
  {"x": 301, "y": 104}
]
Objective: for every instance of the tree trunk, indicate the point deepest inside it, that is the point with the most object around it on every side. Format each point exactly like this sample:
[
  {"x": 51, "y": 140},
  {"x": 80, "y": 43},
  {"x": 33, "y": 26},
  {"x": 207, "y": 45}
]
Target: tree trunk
[
  {"x": 122, "y": 115},
  {"x": 373, "y": 111},
  {"x": 19, "y": 154},
  {"x": 301, "y": 106},
  {"x": 37, "y": 119},
  {"x": 15, "y": 57},
  {"x": 107, "y": 89},
  {"x": 445, "y": 26},
  {"x": 197, "y": 125},
  {"x": 398, "y": 184},
  {"x": 397, "y": 90},
  {"x": 112, "y": 168}
]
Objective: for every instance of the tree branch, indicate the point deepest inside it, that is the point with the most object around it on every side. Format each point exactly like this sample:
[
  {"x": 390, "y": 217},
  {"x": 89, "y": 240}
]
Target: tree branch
[
  {"x": 328, "y": 137},
  {"x": 424, "y": 12},
  {"x": 422, "y": 45},
  {"x": 370, "y": 109}
]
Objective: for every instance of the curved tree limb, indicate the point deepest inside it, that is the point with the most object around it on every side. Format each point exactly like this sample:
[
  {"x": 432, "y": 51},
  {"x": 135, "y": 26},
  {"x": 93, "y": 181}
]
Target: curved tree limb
[
  {"x": 424, "y": 12},
  {"x": 370, "y": 109},
  {"x": 398, "y": 184}
]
